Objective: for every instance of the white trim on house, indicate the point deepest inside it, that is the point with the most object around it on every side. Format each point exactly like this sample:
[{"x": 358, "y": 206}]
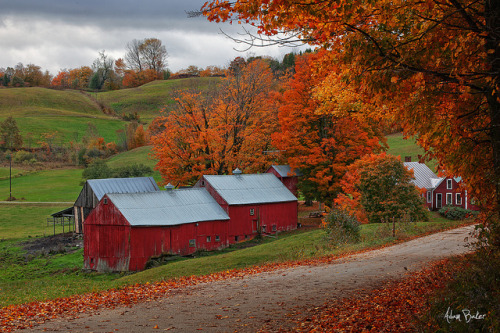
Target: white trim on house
[
  {"x": 449, "y": 184},
  {"x": 458, "y": 199}
]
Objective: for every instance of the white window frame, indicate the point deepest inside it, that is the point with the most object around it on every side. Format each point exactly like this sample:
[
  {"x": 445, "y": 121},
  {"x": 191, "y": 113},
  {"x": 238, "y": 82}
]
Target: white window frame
[
  {"x": 449, "y": 199},
  {"x": 429, "y": 196},
  {"x": 458, "y": 199},
  {"x": 449, "y": 184}
]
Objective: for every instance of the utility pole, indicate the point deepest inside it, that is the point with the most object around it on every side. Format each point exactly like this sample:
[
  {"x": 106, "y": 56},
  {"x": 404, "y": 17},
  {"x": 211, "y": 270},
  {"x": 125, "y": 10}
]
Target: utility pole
[{"x": 10, "y": 177}]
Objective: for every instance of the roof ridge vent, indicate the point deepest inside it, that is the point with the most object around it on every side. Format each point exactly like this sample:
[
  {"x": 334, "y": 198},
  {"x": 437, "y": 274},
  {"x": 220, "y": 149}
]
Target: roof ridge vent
[
  {"x": 169, "y": 187},
  {"x": 237, "y": 172}
]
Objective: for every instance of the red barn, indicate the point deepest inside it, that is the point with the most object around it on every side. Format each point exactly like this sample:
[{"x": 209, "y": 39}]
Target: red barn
[
  {"x": 94, "y": 189},
  {"x": 125, "y": 230},
  {"x": 255, "y": 203},
  {"x": 439, "y": 191},
  {"x": 289, "y": 177}
]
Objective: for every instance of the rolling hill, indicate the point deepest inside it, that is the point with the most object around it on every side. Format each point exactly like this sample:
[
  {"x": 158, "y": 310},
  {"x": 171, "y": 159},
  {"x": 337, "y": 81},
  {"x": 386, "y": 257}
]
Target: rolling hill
[{"x": 68, "y": 112}]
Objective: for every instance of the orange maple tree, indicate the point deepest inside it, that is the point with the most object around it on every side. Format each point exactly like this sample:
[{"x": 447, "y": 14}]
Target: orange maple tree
[
  {"x": 430, "y": 65},
  {"x": 217, "y": 131},
  {"x": 318, "y": 142}
]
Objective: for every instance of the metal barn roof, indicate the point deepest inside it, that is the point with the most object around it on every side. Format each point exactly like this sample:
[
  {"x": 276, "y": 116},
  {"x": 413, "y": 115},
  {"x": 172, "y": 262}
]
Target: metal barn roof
[
  {"x": 423, "y": 175},
  {"x": 122, "y": 185},
  {"x": 168, "y": 207},
  {"x": 286, "y": 171},
  {"x": 250, "y": 189}
]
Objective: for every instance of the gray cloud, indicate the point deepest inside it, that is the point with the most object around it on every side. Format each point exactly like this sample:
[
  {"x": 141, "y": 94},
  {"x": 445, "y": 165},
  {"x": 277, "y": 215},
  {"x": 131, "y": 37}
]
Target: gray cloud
[{"x": 58, "y": 34}]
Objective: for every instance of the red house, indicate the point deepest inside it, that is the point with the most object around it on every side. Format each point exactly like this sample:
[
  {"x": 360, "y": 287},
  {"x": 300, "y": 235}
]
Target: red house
[
  {"x": 125, "y": 230},
  {"x": 440, "y": 191},
  {"x": 287, "y": 176},
  {"x": 255, "y": 203}
]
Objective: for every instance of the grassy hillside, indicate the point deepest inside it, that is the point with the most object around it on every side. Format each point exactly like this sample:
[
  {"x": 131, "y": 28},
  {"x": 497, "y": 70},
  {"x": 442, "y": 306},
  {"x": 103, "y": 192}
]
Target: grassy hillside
[
  {"x": 399, "y": 146},
  {"x": 35, "y": 101},
  {"x": 67, "y": 112},
  {"x": 139, "y": 155},
  {"x": 149, "y": 99}
]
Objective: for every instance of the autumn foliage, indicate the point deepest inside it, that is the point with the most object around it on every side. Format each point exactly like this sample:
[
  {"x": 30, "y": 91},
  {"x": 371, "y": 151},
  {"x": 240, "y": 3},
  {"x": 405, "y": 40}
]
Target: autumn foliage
[
  {"x": 320, "y": 143},
  {"x": 432, "y": 66},
  {"x": 377, "y": 188},
  {"x": 217, "y": 131}
]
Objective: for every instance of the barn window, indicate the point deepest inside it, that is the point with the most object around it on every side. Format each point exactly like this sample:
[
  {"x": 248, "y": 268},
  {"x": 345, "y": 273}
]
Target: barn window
[
  {"x": 449, "y": 184},
  {"x": 429, "y": 196},
  {"x": 458, "y": 199},
  {"x": 105, "y": 201},
  {"x": 217, "y": 238},
  {"x": 192, "y": 243},
  {"x": 209, "y": 239},
  {"x": 252, "y": 212},
  {"x": 449, "y": 198},
  {"x": 236, "y": 238},
  {"x": 274, "y": 228}
]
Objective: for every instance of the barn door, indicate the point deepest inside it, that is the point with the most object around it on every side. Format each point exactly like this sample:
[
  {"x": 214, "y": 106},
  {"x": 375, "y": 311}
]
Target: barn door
[{"x": 113, "y": 247}]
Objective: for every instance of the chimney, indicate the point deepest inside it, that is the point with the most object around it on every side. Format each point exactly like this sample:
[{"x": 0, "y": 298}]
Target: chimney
[
  {"x": 169, "y": 187},
  {"x": 407, "y": 158},
  {"x": 237, "y": 172}
]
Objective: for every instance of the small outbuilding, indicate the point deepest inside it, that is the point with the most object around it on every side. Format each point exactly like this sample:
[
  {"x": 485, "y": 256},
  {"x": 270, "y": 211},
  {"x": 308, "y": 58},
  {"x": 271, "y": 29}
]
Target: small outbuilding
[
  {"x": 256, "y": 203},
  {"x": 94, "y": 189},
  {"x": 288, "y": 176},
  {"x": 125, "y": 230}
]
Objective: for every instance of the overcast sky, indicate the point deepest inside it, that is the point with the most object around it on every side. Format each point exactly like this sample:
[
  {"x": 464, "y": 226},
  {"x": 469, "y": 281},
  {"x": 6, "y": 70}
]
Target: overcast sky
[{"x": 65, "y": 34}]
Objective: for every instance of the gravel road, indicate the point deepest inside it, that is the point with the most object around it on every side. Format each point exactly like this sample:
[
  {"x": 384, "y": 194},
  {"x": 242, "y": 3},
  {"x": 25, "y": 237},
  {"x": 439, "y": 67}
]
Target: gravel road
[{"x": 246, "y": 304}]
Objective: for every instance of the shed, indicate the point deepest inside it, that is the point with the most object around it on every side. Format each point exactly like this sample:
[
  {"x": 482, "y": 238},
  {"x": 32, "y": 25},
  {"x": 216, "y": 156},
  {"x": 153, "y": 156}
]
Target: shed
[
  {"x": 288, "y": 176},
  {"x": 94, "y": 189},
  {"x": 125, "y": 230},
  {"x": 255, "y": 203}
]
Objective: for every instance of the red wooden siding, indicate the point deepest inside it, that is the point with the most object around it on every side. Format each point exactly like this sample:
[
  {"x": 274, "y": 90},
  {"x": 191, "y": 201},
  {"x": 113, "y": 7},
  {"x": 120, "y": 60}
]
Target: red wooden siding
[
  {"x": 243, "y": 225},
  {"x": 443, "y": 190},
  {"x": 112, "y": 244},
  {"x": 289, "y": 182}
]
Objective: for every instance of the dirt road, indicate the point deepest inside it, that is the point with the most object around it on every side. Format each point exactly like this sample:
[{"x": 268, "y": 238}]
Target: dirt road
[{"x": 245, "y": 304}]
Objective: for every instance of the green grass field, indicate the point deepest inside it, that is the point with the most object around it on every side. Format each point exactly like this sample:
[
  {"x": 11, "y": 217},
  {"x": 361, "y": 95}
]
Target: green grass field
[
  {"x": 399, "y": 146},
  {"x": 20, "y": 221},
  {"x": 59, "y": 185},
  {"x": 32, "y": 101},
  {"x": 149, "y": 99},
  {"x": 139, "y": 155},
  {"x": 67, "y": 112}
]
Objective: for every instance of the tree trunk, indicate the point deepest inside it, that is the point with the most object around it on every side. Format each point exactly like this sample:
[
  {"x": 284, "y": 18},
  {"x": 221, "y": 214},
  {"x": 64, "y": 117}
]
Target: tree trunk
[{"x": 492, "y": 20}]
